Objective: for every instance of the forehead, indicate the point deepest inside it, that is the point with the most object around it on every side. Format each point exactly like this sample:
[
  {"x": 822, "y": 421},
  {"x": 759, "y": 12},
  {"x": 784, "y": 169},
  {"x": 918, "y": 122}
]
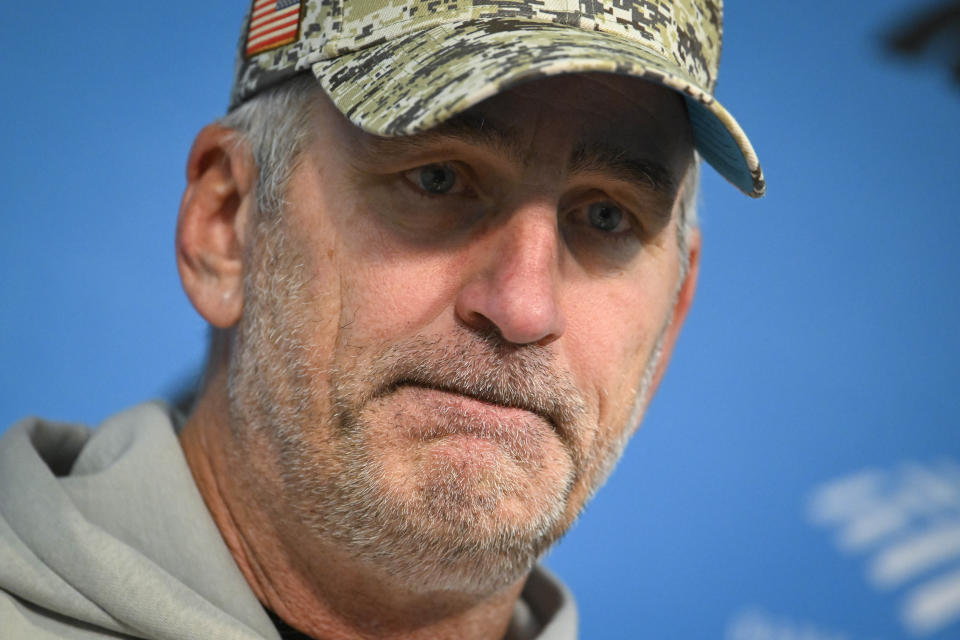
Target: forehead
[
  {"x": 585, "y": 116},
  {"x": 624, "y": 102},
  {"x": 614, "y": 111}
]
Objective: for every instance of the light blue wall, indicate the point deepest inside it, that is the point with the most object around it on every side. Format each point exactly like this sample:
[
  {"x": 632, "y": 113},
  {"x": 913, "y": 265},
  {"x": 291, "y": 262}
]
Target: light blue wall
[{"x": 823, "y": 342}]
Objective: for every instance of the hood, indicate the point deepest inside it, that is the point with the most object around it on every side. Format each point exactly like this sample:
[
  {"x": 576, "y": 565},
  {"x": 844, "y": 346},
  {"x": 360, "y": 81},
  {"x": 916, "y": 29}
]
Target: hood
[{"x": 104, "y": 531}]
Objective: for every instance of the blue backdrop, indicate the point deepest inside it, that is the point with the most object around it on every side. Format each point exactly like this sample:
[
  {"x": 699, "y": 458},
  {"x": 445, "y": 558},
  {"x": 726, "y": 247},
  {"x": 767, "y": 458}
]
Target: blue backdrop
[{"x": 797, "y": 476}]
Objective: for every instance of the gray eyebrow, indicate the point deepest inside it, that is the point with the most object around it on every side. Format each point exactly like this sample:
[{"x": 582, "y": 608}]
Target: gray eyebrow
[
  {"x": 475, "y": 127},
  {"x": 472, "y": 127},
  {"x": 617, "y": 163}
]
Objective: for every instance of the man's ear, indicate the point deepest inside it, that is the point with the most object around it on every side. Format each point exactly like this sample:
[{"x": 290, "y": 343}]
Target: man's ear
[
  {"x": 680, "y": 308},
  {"x": 211, "y": 228}
]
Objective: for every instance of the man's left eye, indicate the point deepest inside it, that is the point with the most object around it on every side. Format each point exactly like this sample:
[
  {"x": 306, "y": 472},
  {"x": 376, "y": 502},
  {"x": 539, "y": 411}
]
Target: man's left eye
[
  {"x": 607, "y": 217},
  {"x": 436, "y": 179}
]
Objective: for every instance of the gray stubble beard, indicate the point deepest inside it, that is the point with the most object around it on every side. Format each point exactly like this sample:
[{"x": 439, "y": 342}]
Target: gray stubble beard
[{"x": 445, "y": 538}]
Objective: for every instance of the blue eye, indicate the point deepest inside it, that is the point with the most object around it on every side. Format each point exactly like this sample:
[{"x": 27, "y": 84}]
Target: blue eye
[
  {"x": 605, "y": 215},
  {"x": 436, "y": 178}
]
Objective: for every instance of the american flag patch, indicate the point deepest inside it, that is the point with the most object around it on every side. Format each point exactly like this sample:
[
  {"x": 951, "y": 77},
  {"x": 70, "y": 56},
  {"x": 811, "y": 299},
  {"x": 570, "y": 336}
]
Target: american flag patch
[{"x": 273, "y": 23}]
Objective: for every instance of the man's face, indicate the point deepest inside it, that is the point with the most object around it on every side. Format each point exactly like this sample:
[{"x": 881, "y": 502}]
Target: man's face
[{"x": 448, "y": 337}]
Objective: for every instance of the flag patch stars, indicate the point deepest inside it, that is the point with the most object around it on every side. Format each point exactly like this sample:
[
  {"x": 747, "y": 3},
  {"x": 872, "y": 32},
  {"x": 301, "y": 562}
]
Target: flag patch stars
[{"x": 273, "y": 23}]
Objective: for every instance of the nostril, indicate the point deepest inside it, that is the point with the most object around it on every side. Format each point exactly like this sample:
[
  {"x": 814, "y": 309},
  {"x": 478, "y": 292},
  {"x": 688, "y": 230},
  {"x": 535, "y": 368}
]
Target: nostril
[
  {"x": 514, "y": 285},
  {"x": 534, "y": 320},
  {"x": 478, "y": 322},
  {"x": 524, "y": 310}
]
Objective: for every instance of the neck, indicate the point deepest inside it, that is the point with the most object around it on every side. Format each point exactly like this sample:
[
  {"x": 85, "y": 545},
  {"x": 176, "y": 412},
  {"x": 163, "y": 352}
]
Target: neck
[{"x": 311, "y": 583}]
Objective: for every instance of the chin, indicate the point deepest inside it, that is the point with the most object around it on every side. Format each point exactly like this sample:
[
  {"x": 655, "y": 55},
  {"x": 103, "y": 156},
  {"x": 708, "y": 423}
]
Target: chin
[{"x": 451, "y": 511}]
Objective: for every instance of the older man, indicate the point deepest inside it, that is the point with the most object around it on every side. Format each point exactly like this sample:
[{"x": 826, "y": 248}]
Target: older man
[{"x": 446, "y": 250}]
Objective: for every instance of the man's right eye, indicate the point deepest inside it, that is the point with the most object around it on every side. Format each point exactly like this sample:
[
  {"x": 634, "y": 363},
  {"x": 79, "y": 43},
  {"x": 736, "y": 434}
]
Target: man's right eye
[{"x": 436, "y": 179}]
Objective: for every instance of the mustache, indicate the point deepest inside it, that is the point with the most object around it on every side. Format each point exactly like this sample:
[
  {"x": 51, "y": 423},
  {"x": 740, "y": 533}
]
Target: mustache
[{"x": 487, "y": 368}]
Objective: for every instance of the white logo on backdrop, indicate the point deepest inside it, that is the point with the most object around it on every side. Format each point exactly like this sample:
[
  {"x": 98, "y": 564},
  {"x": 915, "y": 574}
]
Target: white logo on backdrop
[
  {"x": 755, "y": 624},
  {"x": 906, "y": 522}
]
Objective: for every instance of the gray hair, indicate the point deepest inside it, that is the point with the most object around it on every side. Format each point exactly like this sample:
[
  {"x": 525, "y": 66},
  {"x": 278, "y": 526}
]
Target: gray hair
[
  {"x": 688, "y": 219},
  {"x": 275, "y": 126}
]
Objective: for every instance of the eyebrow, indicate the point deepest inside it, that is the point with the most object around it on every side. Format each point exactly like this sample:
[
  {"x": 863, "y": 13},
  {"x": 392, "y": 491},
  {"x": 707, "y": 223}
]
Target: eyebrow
[
  {"x": 618, "y": 164},
  {"x": 476, "y": 128},
  {"x": 472, "y": 127}
]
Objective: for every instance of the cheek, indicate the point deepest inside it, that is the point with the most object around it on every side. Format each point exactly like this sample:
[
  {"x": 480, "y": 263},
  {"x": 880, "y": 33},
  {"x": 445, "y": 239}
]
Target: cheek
[
  {"x": 367, "y": 286},
  {"x": 609, "y": 349},
  {"x": 389, "y": 289},
  {"x": 389, "y": 299}
]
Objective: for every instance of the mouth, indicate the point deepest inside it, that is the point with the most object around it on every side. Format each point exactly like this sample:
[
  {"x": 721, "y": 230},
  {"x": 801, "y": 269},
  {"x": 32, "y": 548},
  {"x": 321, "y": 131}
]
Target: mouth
[
  {"x": 471, "y": 425},
  {"x": 487, "y": 397}
]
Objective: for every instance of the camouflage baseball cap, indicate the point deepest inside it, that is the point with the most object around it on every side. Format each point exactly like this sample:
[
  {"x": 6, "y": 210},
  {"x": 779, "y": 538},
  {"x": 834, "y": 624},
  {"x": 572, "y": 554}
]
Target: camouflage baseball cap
[{"x": 398, "y": 67}]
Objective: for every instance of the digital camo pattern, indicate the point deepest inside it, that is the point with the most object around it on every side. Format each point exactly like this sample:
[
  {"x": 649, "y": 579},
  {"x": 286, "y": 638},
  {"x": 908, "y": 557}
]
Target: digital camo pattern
[
  {"x": 413, "y": 87},
  {"x": 396, "y": 67},
  {"x": 686, "y": 33}
]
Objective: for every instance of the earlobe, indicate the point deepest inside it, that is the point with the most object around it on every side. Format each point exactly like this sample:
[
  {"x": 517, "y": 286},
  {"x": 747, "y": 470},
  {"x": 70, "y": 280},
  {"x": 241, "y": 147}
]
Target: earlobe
[{"x": 211, "y": 226}]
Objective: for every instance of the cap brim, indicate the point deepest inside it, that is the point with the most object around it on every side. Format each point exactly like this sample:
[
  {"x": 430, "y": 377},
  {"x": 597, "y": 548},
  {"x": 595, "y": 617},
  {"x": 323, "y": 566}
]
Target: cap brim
[{"x": 411, "y": 84}]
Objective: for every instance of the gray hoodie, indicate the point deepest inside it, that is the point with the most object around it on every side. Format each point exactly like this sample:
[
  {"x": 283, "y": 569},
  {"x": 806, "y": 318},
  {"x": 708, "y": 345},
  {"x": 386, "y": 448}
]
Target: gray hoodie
[{"x": 103, "y": 534}]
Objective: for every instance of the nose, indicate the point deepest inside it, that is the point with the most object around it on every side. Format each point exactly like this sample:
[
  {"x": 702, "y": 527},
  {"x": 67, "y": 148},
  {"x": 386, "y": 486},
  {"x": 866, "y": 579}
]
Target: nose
[{"x": 514, "y": 288}]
